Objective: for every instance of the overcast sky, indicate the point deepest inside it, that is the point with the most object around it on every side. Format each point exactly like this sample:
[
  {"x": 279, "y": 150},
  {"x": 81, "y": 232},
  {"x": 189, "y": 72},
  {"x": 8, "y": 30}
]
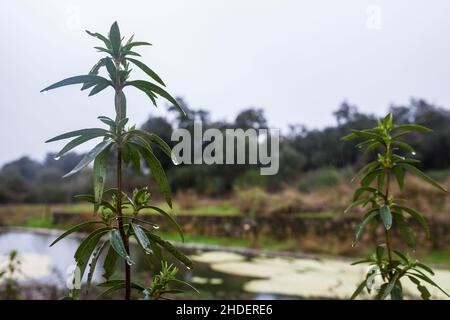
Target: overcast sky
[{"x": 296, "y": 59}]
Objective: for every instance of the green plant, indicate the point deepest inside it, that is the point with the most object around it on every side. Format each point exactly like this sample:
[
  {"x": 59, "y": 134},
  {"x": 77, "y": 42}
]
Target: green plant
[
  {"x": 10, "y": 289},
  {"x": 161, "y": 283},
  {"x": 386, "y": 209},
  {"x": 130, "y": 146}
]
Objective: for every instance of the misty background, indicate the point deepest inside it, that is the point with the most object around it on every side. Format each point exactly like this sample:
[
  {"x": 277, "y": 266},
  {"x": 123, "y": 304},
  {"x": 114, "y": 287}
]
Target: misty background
[{"x": 298, "y": 60}]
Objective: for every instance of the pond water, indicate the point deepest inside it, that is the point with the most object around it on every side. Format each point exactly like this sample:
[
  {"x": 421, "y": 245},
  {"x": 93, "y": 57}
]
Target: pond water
[{"x": 216, "y": 274}]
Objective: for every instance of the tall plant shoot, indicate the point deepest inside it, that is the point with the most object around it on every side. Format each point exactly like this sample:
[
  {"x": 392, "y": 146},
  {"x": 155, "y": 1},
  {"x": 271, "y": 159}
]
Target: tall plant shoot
[
  {"x": 394, "y": 159},
  {"x": 130, "y": 146}
]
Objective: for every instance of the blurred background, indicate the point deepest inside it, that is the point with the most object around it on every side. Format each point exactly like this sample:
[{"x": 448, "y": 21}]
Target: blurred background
[{"x": 313, "y": 69}]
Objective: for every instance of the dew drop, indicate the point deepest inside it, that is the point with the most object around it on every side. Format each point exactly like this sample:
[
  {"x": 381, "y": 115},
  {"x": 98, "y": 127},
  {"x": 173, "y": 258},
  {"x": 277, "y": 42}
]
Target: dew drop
[
  {"x": 148, "y": 251},
  {"x": 57, "y": 158},
  {"x": 353, "y": 245},
  {"x": 189, "y": 268},
  {"x": 413, "y": 153},
  {"x": 155, "y": 227},
  {"x": 129, "y": 261},
  {"x": 175, "y": 160}
]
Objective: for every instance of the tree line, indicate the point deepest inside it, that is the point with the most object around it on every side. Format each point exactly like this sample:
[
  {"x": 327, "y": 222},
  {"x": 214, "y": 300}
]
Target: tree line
[{"x": 301, "y": 150}]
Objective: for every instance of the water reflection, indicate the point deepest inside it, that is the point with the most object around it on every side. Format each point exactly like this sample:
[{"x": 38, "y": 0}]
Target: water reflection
[{"x": 216, "y": 274}]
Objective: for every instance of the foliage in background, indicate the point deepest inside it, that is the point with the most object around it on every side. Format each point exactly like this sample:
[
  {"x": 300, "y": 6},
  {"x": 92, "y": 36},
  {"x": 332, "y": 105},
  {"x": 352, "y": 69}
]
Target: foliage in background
[
  {"x": 301, "y": 150},
  {"x": 394, "y": 159},
  {"x": 130, "y": 146}
]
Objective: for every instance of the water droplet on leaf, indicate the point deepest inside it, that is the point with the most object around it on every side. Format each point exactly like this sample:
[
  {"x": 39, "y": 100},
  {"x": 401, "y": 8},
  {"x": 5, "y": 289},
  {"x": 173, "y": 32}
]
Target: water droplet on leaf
[
  {"x": 155, "y": 227},
  {"x": 175, "y": 160},
  {"x": 57, "y": 158},
  {"x": 413, "y": 153},
  {"x": 129, "y": 261}
]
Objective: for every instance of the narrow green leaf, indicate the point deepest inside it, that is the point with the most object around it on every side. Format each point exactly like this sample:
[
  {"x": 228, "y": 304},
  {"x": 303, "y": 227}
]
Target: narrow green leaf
[
  {"x": 368, "y": 260},
  {"x": 355, "y": 204},
  {"x": 147, "y": 70},
  {"x": 114, "y": 38},
  {"x": 111, "y": 68},
  {"x": 381, "y": 249},
  {"x": 371, "y": 214},
  {"x": 397, "y": 293},
  {"x": 380, "y": 180},
  {"x": 77, "y": 80},
  {"x": 140, "y": 84},
  {"x": 142, "y": 238},
  {"x": 413, "y": 127},
  {"x": 366, "y": 169},
  {"x": 122, "y": 106},
  {"x": 372, "y": 147},
  {"x": 93, "y": 71},
  {"x": 427, "y": 279},
  {"x": 98, "y": 88},
  {"x": 89, "y": 157},
  {"x": 403, "y": 145},
  {"x": 169, "y": 247},
  {"x": 399, "y": 176},
  {"x": 424, "y": 293},
  {"x": 186, "y": 284},
  {"x": 157, "y": 140},
  {"x": 367, "y": 180},
  {"x": 74, "y": 229},
  {"x": 130, "y": 45},
  {"x": 116, "y": 242},
  {"x": 115, "y": 285},
  {"x": 368, "y": 135},
  {"x": 108, "y": 51},
  {"x": 401, "y": 256},
  {"x": 157, "y": 172},
  {"x": 349, "y": 137},
  {"x": 76, "y": 142},
  {"x": 100, "y": 169},
  {"x": 358, "y": 290},
  {"x": 109, "y": 265},
  {"x": 423, "y": 176},
  {"x": 361, "y": 190},
  {"x": 114, "y": 282},
  {"x": 76, "y": 133},
  {"x": 387, "y": 290},
  {"x": 386, "y": 216},
  {"x": 417, "y": 216},
  {"x": 135, "y": 158},
  {"x": 405, "y": 231},
  {"x": 425, "y": 267},
  {"x": 101, "y": 37},
  {"x": 87, "y": 247},
  {"x": 93, "y": 263},
  {"x": 168, "y": 217}
]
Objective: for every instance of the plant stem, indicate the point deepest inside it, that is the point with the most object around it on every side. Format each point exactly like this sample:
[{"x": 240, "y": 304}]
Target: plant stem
[
  {"x": 386, "y": 202},
  {"x": 124, "y": 237},
  {"x": 120, "y": 222}
]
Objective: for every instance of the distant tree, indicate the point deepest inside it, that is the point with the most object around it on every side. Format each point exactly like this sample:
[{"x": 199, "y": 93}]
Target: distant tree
[{"x": 251, "y": 118}]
